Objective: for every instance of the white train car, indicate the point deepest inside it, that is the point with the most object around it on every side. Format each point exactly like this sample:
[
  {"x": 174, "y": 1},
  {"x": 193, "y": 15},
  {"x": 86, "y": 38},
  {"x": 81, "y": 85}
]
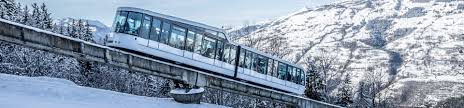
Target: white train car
[{"x": 202, "y": 47}]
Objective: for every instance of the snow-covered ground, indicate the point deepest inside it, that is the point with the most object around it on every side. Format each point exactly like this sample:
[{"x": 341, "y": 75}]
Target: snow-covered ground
[{"x": 45, "y": 92}]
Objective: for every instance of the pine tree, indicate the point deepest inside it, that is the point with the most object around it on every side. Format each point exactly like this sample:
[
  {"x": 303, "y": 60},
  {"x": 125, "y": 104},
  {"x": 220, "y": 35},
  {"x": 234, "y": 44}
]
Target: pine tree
[
  {"x": 88, "y": 33},
  {"x": 80, "y": 29},
  {"x": 18, "y": 13},
  {"x": 36, "y": 16},
  {"x": 46, "y": 20},
  {"x": 72, "y": 29},
  {"x": 2, "y": 9},
  {"x": 7, "y": 9},
  {"x": 25, "y": 16},
  {"x": 314, "y": 86},
  {"x": 68, "y": 29},
  {"x": 345, "y": 92},
  {"x": 61, "y": 30}
]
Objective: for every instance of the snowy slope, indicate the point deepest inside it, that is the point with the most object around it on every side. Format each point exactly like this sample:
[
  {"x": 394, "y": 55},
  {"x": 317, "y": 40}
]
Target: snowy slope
[
  {"x": 417, "y": 44},
  {"x": 45, "y": 92}
]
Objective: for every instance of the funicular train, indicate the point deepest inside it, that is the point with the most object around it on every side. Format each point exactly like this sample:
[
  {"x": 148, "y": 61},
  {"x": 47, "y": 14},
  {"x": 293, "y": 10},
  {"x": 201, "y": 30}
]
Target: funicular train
[{"x": 201, "y": 46}]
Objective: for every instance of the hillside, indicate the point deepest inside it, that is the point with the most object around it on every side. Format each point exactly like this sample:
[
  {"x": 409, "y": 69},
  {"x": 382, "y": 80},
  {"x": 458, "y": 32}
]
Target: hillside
[{"x": 416, "y": 46}]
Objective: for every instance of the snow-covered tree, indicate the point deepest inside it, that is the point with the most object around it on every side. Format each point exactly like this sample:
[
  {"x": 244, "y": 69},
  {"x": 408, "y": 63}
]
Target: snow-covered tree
[
  {"x": 7, "y": 9},
  {"x": 17, "y": 13},
  {"x": 36, "y": 16},
  {"x": 87, "y": 36},
  {"x": 25, "y": 16},
  {"x": 314, "y": 85},
  {"x": 46, "y": 21},
  {"x": 344, "y": 95},
  {"x": 71, "y": 30},
  {"x": 368, "y": 94}
]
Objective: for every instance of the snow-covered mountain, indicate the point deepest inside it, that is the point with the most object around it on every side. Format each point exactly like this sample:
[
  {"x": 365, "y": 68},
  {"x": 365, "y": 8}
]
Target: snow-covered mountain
[
  {"x": 418, "y": 45},
  {"x": 98, "y": 28}
]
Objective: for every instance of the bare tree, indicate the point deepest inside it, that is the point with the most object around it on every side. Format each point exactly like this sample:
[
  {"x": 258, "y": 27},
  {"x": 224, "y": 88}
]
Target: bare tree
[
  {"x": 369, "y": 91},
  {"x": 326, "y": 67}
]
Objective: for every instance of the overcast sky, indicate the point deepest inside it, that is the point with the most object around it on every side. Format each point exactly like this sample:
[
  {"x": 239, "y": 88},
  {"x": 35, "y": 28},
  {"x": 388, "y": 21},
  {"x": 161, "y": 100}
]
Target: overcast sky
[{"x": 212, "y": 12}]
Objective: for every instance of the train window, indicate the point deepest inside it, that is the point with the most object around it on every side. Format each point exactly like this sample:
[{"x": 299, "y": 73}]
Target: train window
[
  {"x": 289, "y": 73},
  {"x": 133, "y": 23},
  {"x": 254, "y": 62},
  {"x": 294, "y": 75},
  {"x": 120, "y": 21},
  {"x": 226, "y": 54},
  {"x": 282, "y": 71},
  {"x": 177, "y": 38},
  {"x": 241, "y": 61},
  {"x": 165, "y": 33},
  {"x": 155, "y": 29},
  {"x": 297, "y": 76},
  {"x": 269, "y": 67},
  {"x": 300, "y": 74},
  {"x": 275, "y": 69},
  {"x": 233, "y": 54},
  {"x": 248, "y": 58},
  {"x": 219, "y": 50},
  {"x": 303, "y": 77},
  {"x": 145, "y": 30},
  {"x": 190, "y": 41},
  {"x": 262, "y": 64},
  {"x": 198, "y": 43},
  {"x": 208, "y": 47}
]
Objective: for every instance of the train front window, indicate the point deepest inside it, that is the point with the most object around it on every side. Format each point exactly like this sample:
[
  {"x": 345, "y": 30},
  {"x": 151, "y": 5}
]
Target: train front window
[
  {"x": 155, "y": 29},
  {"x": 165, "y": 33},
  {"x": 219, "y": 50},
  {"x": 282, "y": 71},
  {"x": 145, "y": 30},
  {"x": 120, "y": 21},
  {"x": 133, "y": 23},
  {"x": 177, "y": 39},
  {"x": 209, "y": 46},
  {"x": 190, "y": 41}
]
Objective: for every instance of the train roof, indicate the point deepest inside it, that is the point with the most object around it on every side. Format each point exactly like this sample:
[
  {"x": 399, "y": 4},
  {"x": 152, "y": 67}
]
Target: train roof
[{"x": 193, "y": 23}]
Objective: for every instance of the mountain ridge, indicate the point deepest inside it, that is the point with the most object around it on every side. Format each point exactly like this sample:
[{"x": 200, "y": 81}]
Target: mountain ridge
[{"x": 410, "y": 41}]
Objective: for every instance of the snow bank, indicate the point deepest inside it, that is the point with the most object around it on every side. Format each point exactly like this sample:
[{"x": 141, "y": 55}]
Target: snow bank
[{"x": 44, "y": 92}]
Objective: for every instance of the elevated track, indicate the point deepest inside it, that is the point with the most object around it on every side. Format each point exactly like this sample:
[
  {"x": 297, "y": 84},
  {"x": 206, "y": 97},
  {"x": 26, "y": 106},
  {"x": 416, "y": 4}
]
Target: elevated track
[{"x": 55, "y": 43}]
